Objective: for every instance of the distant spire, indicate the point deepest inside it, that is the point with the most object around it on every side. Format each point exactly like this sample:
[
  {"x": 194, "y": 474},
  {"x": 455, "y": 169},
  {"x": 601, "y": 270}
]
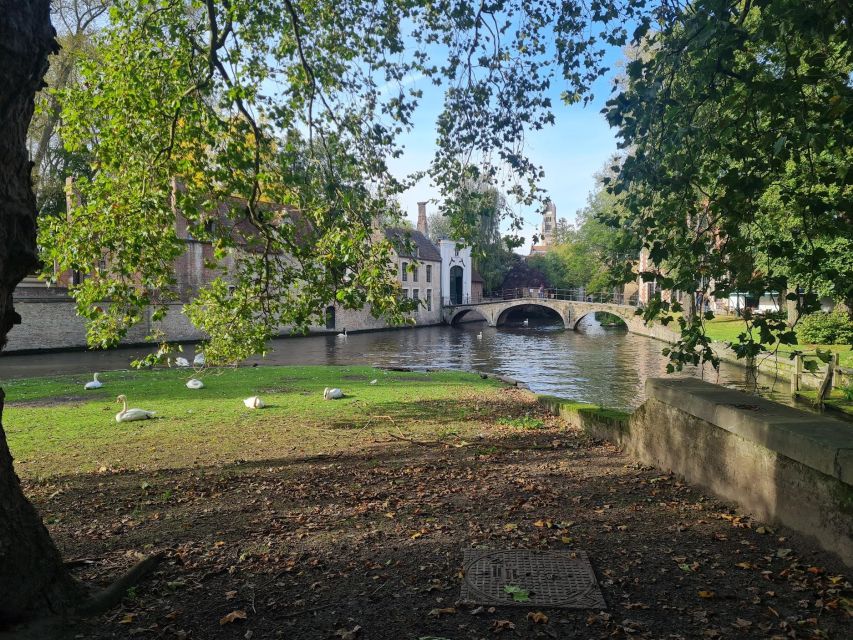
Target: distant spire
[{"x": 422, "y": 219}]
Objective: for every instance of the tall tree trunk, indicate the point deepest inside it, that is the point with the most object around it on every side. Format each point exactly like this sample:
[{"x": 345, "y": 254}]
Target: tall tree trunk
[{"x": 33, "y": 580}]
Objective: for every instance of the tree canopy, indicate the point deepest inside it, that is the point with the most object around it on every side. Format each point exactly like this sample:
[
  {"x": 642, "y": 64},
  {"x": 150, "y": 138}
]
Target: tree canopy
[{"x": 737, "y": 127}]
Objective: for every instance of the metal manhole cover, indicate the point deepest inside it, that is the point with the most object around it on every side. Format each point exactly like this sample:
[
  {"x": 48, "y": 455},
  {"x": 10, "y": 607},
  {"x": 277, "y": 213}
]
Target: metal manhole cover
[{"x": 550, "y": 578}]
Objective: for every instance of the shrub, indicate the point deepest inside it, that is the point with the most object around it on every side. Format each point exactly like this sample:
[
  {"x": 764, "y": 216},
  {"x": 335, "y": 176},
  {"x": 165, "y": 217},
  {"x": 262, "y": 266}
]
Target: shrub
[{"x": 825, "y": 328}]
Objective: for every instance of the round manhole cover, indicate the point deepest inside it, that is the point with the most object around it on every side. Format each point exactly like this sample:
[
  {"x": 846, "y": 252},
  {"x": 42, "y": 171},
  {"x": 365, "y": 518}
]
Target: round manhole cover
[{"x": 522, "y": 577}]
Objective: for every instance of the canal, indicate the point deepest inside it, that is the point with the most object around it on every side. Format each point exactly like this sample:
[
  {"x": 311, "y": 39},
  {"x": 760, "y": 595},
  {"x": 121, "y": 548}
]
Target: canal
[{"x": 595, "y": 364}]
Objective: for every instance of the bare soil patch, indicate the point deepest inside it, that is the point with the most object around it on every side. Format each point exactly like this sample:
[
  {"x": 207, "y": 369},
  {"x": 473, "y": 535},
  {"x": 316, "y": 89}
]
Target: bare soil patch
[{"x": 367, "y": 544}]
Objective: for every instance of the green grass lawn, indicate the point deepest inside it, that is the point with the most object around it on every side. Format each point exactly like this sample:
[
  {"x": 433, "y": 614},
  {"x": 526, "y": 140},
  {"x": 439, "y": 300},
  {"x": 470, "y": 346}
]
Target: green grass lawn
[
  {"x": 55, "y": 427},
  {"x": 727, "y": 329}
]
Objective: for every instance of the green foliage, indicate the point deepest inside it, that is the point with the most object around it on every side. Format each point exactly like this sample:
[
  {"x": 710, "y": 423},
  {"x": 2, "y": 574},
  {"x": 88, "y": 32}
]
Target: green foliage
[
  {"x": 825, "y": 328},
  {"x": 276, "y": 118},
  {"x": 587, "y": 254},
  {"x": 736, "y": 118},
  {"x": 518, "y": 593}
]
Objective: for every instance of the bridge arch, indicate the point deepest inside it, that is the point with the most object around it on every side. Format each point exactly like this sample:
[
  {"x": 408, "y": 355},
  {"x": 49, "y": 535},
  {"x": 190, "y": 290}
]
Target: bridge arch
[
  {"x": 624, "y": 317},
  {"x": 501, "y": 316},
  {"x": 470, "y": 313}
]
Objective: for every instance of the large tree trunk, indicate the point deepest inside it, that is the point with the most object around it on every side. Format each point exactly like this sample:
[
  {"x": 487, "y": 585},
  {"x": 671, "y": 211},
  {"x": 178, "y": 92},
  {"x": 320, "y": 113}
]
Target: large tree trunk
[{"x": 33, "y": 580}]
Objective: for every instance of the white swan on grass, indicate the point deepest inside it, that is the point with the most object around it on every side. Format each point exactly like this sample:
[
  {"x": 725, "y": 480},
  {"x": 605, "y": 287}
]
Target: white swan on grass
[
  {"x": 195, "y": 383},
  {"x": 332, "y": 394},
  {"x": 254, "y": 402},
  {"x": 374, "y": 381},
  {"x": 199, "y": 360},
  {"x": 130, "y": 415},
  {"x": 181, "y": 362},
  {"x": 93, "y": 384}
]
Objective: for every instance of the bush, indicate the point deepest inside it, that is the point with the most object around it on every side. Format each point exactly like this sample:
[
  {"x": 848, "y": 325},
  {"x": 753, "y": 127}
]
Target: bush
[{"x": 825, "y": 328}]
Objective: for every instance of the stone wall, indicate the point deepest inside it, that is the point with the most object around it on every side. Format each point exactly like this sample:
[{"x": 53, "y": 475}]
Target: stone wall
[
  {"x": 781, "y": 464},
  {"x": 50, "y": 322}
]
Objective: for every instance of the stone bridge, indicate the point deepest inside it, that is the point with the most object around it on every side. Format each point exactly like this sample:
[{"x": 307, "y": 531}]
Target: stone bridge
[{"x": 570, "y": 311}]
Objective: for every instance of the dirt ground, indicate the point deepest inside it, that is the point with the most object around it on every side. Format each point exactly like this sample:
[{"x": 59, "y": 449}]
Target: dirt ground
[{"x": 367, "y": 544}]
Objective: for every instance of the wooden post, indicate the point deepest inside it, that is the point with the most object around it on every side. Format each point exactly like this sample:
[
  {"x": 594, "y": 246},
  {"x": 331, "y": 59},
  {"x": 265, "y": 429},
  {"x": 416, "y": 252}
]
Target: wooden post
[
  {"x": 798, "y": 372},
  {"x": 826, "y": 385}
]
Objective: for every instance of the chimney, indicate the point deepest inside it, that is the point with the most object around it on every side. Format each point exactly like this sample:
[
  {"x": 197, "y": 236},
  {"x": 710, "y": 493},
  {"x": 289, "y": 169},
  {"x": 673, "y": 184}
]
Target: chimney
[{"x": 422, "y": 221}]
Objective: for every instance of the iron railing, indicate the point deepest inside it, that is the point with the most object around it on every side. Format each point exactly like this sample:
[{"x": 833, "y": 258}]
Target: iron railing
[{"x": 536, "y": 295}]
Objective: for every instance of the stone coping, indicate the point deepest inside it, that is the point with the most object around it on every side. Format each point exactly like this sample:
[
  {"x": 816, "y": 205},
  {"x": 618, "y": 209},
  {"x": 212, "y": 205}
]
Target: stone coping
[{"x": 822, "y": 443}]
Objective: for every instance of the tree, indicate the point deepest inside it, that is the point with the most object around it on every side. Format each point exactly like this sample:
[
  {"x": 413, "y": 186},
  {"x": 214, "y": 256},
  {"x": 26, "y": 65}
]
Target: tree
[
  {"x": 589, "y": 253},
  {"x": 212, "y": 92},
  {"x": 737, "y": 126}
]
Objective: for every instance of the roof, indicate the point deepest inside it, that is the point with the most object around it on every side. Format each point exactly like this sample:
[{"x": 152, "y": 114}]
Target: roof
[{"x": 426, "y": 250}]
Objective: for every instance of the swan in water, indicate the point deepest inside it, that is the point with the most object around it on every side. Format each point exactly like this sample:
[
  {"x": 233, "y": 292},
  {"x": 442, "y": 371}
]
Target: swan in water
[
  {"x": 480, "y": 336},
  {"x": 195, "y": 383},
  {"x": 199, "y": 359},
  {"x": 254, "y": 402},
  {"x": 343, "y": 334},
  {"x": 181, "y": 362},
  {"x": 526, "y": 321},
  {"x": 93, "y": 384},
  {"x": 333, "y": 393},
  {"x": 129, "y": 415}
]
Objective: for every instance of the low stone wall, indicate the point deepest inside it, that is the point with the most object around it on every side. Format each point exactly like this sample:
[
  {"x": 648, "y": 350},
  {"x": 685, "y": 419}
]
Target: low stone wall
[
  {"x": 781, "y": 464},
  {"x": 51, "y": 323}
]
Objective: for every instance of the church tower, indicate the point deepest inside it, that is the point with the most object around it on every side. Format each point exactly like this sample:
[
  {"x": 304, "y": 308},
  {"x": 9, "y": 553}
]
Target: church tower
[{"x": 548, "y": 233}]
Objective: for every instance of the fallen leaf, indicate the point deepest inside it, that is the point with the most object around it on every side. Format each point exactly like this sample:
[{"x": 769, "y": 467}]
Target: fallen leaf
[
  {"x": 502, "y": 625},
  {"x": 352, "y": 634},
  {"x": 518, "y": 594},
  {"x": 745, "y": 565},
  {"x": 706, "y": 594},
  {"x": 537, "y": 617},
  {"x": 128, "y": 618},
  {"x": 740, "y": 623},
  {"x": 510, "y": 527},
  {"x": 435, "y": 613},
  {"x": 228, "y": 618},
  {"x": 230, "y": 595}
]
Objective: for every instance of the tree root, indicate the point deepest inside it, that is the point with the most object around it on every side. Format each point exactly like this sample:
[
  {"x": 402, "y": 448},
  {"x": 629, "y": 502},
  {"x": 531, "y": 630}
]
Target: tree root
[{"x": 113, "y": 594}]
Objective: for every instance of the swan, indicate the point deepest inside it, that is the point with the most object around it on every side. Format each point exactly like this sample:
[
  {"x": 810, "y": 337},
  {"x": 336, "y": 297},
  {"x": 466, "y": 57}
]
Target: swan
[
  {"x": 129, "y": 415},
  {"x": 93, "y": 384},
  {"x": 525, "y": 322},
  {"x": 332, "y": 394},
  {"x": 199, "y": 359},
  {"x": 254, "y": 403},
  {"x": 343, "y": 334},
  {"x": 480, "y": 336},
  {"x": 195, "y": 383},
  {"x": 182, "y": 362}
]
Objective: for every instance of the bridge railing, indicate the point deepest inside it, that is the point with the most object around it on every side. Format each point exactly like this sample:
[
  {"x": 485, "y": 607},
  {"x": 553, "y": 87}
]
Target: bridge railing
[{"x": 533, "y": 294}]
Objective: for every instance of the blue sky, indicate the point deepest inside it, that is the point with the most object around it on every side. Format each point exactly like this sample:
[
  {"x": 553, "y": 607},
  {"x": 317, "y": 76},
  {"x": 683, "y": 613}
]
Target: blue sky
[{"x": 570, "y": 152}]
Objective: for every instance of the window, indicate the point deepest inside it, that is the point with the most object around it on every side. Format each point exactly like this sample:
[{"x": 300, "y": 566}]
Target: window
[
  {"x": 429, "y": 297},
  {"x": 210, "y": 227},
  {"x": 404, "y": 274},
  {"x": 405, "y": 294},
  {"x": 429, "y": 273},
  {"x": 416, "y": 295},
  {"x": 414, "y": 274}
]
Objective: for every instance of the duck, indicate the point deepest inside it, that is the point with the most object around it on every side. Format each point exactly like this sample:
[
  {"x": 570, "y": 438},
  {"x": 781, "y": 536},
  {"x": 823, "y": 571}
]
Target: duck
[
  {"x": 181, "y": 362},
  {"x": 130, "y": 415},
  {"x": 254, "y": 402},
  {"x": 195, "y": 383},
  {"x": 93, "y": 384},
  {"x": 343, "y": 334},
  {"x": 332, "y": 394},
  {"x": 199, "y": 360}
]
